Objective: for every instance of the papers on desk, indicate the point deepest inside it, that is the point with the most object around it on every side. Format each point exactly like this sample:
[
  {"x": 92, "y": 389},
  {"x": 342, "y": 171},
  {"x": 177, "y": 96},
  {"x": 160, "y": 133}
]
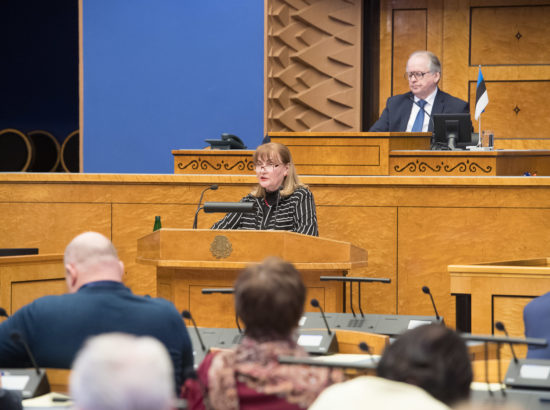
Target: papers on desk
[{"x": 48, "y": 401}]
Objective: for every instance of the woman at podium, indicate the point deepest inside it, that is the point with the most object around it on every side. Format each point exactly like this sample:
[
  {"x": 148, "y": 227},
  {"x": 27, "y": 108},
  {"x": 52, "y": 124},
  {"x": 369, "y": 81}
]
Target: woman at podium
[{"x": 281, "y": 201}]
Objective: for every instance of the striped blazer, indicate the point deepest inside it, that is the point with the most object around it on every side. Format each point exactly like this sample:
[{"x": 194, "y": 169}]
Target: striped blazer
[{"x": 295, "y": 213}]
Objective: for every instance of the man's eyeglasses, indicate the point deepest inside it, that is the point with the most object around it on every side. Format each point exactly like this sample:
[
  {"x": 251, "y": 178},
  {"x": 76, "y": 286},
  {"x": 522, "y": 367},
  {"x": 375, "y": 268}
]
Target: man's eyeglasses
[
  {"x": 267, "y": 167},
  {"x": 417, "y": 75}
]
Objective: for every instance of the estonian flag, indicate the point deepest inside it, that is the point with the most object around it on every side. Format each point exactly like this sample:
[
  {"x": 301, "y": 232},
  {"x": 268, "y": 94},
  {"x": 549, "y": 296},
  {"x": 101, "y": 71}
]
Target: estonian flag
[{"x": 482, "y": 98}]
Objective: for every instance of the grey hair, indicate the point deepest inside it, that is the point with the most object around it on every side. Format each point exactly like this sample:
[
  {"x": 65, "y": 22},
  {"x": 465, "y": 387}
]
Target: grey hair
[
  {"x": 434, "y": 65},
  {"x": 116, "y": 371}
]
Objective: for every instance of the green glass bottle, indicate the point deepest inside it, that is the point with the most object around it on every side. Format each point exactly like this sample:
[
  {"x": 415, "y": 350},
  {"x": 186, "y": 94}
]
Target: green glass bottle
[{"x": 157, "y": 225}]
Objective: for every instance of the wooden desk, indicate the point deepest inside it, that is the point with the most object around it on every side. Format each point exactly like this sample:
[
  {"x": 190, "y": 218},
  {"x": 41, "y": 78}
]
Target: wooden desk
[
  {"x": 499, "y": 292},
  {"x": 26, "y": 278},
  {"x": 470, "y": 163},
  {"x": 215, "y": 258}
]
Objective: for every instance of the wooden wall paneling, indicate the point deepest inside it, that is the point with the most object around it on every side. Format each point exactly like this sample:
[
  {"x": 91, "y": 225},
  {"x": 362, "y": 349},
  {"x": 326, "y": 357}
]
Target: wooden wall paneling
[
  {"x": 313, "y": 65},
  {"x": 455, "y": 52},
  {"x": 410, "y": 33},
  {"x": 50, "y": 226},
  {"x": 516, "y": 111},
  {"x": 431, "y": 238},
  {"x": 377, "y": 234},
  {"x": 510, "y": 35}
]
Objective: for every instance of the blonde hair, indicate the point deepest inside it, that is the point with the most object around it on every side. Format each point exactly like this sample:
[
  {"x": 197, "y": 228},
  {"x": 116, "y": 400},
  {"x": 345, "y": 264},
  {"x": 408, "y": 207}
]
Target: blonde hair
[{"x": 276, "y": 152}]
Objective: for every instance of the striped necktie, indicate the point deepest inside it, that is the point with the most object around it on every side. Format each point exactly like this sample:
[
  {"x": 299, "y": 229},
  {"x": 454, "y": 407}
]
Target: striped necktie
[{"x": 419, "y": 120}]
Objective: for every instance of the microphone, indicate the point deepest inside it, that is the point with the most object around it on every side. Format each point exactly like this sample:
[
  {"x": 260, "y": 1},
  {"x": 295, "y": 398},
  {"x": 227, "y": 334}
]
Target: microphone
[
  {"x": 187, "y": 315},
  {"x": 212, "y": 207},
  {"x": 500, "y": 326},
  {"x": 426, "y": 290},
  {"x": 366, "y": 348},
  {"x": 3, "y": 312},
  {"x": 431, "y": 121},
  {"x": 213, "y": 188},
  {"x": 17, "y": 338},
  {"x": 315, "y": 303}
]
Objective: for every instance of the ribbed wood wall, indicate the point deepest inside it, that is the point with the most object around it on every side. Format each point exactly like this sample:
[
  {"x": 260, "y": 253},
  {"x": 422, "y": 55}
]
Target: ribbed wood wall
[{"x": 313, "y": 65}]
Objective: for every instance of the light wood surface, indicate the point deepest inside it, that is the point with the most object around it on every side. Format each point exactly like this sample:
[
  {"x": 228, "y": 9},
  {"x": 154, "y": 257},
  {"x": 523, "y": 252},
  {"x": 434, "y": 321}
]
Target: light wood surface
[
  {"x": 413, "y": 227},
  {"x": 348, "y": 342},
  {"x": 26, "y": 278},
  {"x": 470, "y": 163},
  {"x": 347, "y": 153},
  {"x": 499, "y": 292},
  {"x": 210, "y": 161},
  {"x": 217, "y": 257}
]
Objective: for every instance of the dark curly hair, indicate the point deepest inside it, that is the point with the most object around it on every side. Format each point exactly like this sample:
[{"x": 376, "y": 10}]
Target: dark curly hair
[{"x": 432, "y": 357}]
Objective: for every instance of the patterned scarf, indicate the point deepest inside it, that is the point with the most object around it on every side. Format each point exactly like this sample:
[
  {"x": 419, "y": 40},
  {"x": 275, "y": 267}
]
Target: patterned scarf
[{"x": 254, "y": 363}]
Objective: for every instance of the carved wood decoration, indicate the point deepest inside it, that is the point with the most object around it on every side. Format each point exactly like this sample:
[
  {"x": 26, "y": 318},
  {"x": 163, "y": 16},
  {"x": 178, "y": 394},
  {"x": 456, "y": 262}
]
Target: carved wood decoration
[{"x": 313, "y": 65}]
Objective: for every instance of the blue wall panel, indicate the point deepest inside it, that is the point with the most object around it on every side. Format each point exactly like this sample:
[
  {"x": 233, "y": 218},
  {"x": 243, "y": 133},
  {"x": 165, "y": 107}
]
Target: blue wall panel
[{"x": 167, "y": 74}]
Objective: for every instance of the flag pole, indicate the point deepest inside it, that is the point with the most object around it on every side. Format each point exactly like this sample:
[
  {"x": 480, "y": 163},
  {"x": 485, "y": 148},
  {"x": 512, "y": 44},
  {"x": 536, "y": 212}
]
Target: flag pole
[{"x": 480, "y": 133}]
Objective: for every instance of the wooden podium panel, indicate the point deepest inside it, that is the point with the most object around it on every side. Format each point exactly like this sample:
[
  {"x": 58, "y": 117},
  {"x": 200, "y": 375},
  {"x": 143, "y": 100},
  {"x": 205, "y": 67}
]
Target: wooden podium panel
[
  {"x": 499, "y": 292},
  {"x": 347, "y": 153},
  {"x": 188, "y": 261},
  {"x": 470, "y": 163},
  {"x": 26, "y": 278}
]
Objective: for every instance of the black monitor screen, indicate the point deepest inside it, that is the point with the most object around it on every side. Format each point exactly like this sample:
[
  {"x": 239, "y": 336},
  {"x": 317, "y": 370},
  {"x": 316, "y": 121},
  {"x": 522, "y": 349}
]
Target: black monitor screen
[{"x": 452, "y": 131}]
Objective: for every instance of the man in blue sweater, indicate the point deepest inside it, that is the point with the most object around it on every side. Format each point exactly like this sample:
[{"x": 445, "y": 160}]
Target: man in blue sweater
[{"x": 56, "y": 327}]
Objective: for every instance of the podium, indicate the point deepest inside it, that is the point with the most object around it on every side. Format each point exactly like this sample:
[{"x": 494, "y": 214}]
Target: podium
[{"x": 188, "y": 261}]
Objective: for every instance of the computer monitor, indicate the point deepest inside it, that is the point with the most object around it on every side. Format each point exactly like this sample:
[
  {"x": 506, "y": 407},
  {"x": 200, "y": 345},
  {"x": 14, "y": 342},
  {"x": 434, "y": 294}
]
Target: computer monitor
[{"x": 452, "y": 131}]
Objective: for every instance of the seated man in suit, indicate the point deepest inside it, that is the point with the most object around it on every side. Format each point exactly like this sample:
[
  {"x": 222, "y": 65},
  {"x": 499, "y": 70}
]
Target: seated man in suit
[
  {"x": 412, "y": 111},
  {"x": 56, "y": 327},
  {"x": 536, "y": 318},
  {"x": 117, "y": 371}
]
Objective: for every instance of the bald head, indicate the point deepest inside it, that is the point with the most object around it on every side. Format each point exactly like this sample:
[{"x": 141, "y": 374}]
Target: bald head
[{"x": 91, "y": 257}]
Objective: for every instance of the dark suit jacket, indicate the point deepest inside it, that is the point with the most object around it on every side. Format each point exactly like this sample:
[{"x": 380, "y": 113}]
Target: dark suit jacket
[
  {"x": 396, "y": 115},
  {"x": 56, "y": 327},
  {"x": 536, "y": 318}
]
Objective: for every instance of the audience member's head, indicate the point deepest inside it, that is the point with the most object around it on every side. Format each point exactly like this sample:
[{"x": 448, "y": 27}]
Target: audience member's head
[
  {"x": 269, "y": 298},
  {"x": 432, "y": 357},
  {"x": 91, "y": 257},
  {"x": 116, "y": 371}
]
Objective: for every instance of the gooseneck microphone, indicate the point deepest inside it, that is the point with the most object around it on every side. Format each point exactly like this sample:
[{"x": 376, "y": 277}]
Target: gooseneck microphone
[
  {"x": 426, "y": 290},
  {"x": 500, "y": 326},
  {"x": 315, "y": 303},
  {"x": 17, "y": 338},
  {"x": 211, "y": 187},
  {"x": 187, "y": 315}
]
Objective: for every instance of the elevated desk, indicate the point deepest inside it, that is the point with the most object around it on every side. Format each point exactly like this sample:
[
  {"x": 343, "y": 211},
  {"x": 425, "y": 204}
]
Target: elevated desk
[
  {"x": 369, "y": 153},
  {"x": 216, "y": 257},
  {"x": 499, "y": 292}
]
